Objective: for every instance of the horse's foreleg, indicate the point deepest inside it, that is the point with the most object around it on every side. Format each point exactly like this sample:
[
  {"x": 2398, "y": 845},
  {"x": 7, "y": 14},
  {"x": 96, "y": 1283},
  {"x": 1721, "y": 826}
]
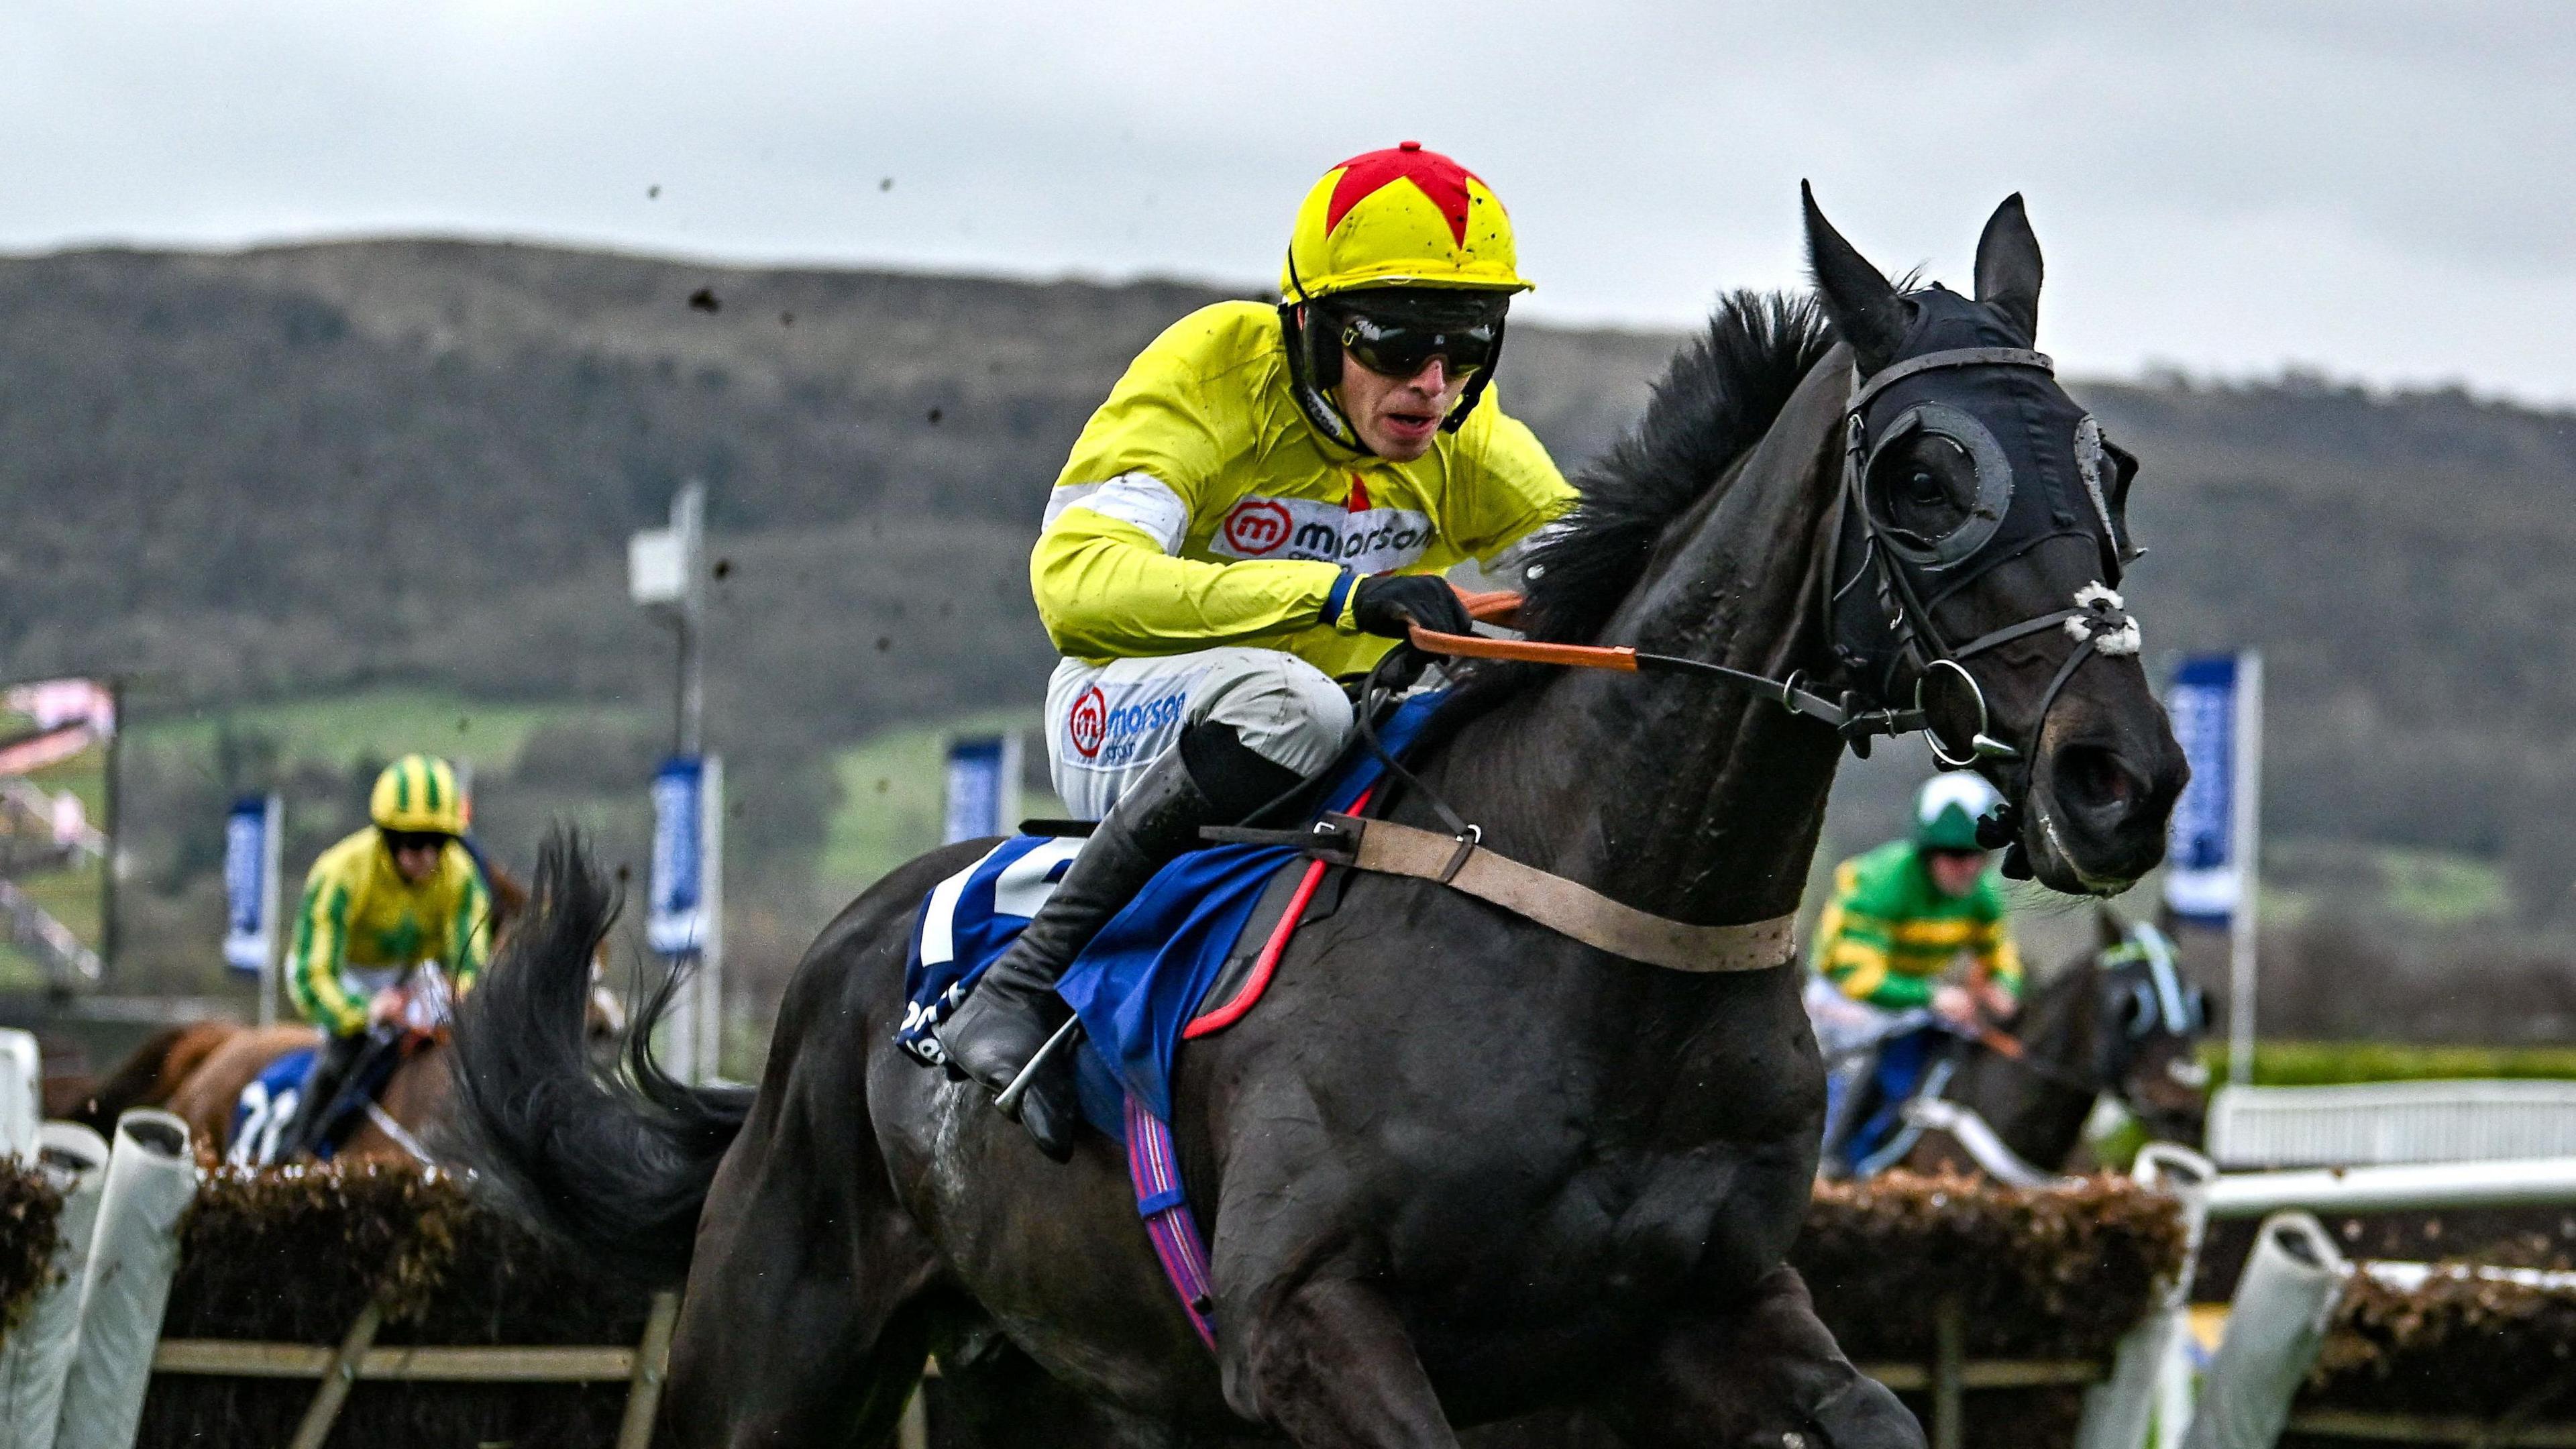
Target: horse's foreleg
[
  {"x": 1755, "y": 1372},
  {"x": 1330, "y": 1365}
]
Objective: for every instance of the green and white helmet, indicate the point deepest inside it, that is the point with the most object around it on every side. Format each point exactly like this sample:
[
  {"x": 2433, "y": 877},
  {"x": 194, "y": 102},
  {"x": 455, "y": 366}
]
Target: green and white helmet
[{"x": 1945, "y": 813}]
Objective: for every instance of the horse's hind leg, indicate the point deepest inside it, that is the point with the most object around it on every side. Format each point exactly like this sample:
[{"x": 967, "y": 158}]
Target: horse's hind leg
[
  {"x": 1751, "y": 1373},
  {"x": 806, "y": 1319}
]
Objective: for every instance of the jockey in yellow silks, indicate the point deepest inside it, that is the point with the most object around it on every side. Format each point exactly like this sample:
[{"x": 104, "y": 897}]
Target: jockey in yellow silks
[
  {"x": 401, "y": 892},
  {"x": 1261, "y": 507}
]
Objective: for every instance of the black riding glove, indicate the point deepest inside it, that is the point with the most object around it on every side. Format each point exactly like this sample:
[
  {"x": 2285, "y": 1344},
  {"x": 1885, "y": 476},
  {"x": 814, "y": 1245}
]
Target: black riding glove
[{"x": 1388, "y": 604}]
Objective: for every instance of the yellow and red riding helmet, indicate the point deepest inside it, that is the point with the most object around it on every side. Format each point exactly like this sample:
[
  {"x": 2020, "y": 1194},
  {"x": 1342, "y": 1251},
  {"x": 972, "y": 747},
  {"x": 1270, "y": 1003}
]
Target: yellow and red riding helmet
[{"x": 1399, "y": 218}]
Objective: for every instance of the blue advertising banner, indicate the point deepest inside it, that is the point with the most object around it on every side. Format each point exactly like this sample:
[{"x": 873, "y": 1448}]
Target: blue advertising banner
[
  {"x": 675, "y": 916},
  {"x": 983, "y": 788},
  {"x": 247, "y": 904},
  {"x": 2204, "y": 882}
]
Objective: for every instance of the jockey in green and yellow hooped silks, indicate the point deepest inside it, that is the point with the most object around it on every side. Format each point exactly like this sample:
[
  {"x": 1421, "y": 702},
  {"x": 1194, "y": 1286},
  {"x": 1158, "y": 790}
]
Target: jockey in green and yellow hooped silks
[
  {"x": 1902, "y": 916},
  {"x": 1265, "y": 502},
  {"x": 398, "y": 893}
]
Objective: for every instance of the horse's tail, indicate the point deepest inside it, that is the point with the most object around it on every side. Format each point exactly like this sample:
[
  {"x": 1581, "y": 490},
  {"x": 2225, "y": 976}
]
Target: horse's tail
[{"x": 614, "y": 1166}]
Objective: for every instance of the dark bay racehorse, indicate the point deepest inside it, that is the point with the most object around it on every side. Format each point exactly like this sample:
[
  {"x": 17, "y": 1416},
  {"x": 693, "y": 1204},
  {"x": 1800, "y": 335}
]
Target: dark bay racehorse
[
  {"x": 2112, "y": 1024},
  {"x": 1456, "y": 1166}
]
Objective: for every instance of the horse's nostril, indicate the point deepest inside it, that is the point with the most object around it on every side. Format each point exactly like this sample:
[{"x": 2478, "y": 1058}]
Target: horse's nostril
[{"x": 2092, "y": 776}]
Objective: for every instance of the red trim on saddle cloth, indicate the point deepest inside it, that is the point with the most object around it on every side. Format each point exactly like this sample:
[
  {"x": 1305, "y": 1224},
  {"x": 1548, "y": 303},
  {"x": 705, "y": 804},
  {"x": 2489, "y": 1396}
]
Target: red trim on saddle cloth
[{"x": 1208, "y": 1023}]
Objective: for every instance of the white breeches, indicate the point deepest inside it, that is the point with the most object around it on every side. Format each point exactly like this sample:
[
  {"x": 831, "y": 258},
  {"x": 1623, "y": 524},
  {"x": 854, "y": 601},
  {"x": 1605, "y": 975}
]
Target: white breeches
[{"x": 1108, "y": 723}]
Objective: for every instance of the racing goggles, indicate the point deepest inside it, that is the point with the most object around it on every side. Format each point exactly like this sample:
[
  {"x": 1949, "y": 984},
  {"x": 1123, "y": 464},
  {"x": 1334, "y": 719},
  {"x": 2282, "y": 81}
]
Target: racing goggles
[
  {"x": 1398, "y": 335},
  {"x": 398, "y": 841}
]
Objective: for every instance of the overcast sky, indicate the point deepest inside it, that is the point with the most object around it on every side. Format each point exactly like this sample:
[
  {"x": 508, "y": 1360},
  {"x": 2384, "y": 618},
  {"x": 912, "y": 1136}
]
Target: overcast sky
[{"x": 2378, "y": 190}]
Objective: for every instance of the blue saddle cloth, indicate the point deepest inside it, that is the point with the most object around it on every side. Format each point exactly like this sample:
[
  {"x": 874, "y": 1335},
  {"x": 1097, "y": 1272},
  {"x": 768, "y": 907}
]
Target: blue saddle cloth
[
  {"x": 1907, "y": 1065},
  {"x": 1138, "y": 982},
  {"x": 268, "y": 1104}
]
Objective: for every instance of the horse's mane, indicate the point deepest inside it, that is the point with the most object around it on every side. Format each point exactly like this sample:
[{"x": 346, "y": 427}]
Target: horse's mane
[
  {"x": 1724, "y": 390},
  {"x": 1722, "y": 393}
]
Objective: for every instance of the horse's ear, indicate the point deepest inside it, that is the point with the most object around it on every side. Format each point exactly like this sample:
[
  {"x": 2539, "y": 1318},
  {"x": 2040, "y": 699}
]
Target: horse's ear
[
  {"x": 2008, "y": 267},
  {"x": 1866, "y": 310}
]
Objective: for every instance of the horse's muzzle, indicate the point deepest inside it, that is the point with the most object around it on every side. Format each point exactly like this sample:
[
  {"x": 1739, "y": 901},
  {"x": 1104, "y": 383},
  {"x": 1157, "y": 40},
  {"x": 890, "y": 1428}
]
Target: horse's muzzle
[{"x": 2095, "y": 820}]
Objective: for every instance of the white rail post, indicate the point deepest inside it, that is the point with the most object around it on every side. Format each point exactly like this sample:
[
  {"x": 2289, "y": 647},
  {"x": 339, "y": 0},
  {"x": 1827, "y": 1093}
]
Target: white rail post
[
  {"x": 22, "y": 1093},
  {"x": 2247, "y": 847},
  {"x": 38, "y": 1352},
  {"x": 2150, "y": 1382},
  {"x": 711, "y": 954},
  {"x": 2274, "y": 1329},
  {"x": 150, "y": 1180}
]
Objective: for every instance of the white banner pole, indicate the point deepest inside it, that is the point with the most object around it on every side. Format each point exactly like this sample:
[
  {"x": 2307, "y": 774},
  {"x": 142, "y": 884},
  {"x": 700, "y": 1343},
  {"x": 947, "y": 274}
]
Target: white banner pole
[
  {"x": 272, "y": 851},
  {"x": 711, "y": 962},
  {"x": 2246, "y": 845}
]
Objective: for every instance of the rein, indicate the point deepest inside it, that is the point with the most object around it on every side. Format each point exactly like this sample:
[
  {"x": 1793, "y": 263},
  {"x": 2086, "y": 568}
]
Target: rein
[
  {"x": 1843, "y": 718},
  {"x": 2014, "y": 1050},
  {"x": 2097, "y": 622}
]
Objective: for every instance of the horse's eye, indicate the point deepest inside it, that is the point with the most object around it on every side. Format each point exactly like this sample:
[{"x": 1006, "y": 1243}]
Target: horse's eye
[{"x": 1921, "y": 486}]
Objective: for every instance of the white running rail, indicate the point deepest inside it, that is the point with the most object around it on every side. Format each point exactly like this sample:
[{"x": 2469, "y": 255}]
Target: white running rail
[
  {"x": 2391, "y": 1122},
  {"x": 2526, "y": 1182}
]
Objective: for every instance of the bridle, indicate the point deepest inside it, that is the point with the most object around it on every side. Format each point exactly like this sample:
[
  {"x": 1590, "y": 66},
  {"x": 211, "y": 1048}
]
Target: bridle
[
  {"x": 1905, "y": 570},
  {"x": 2097, "y": 621},
  {"x": 2162, "y": 1000}
]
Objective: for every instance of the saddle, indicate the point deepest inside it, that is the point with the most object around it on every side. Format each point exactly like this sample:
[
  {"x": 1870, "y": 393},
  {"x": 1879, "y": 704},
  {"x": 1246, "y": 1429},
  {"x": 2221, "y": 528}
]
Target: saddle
[{"x": 268, "y": 1103}]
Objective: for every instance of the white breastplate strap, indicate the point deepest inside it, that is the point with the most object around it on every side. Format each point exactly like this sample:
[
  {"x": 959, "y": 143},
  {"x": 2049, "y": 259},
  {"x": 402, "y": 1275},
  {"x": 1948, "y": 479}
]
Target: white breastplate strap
[{"x": 1563, "y": 906}]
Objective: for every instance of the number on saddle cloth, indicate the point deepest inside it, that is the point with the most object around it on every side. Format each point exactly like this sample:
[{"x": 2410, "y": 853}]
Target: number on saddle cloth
[{"x": 266, "y": 1105}]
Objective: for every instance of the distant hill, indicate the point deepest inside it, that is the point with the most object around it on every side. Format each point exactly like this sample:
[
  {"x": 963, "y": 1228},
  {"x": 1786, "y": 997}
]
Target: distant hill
[
  {"x": 268, "y": 470},
  {"x": 311, "y": 469}
]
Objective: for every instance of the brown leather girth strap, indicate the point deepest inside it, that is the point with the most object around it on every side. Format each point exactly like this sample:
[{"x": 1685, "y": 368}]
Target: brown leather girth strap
[{"x": 1561, "y": 905}]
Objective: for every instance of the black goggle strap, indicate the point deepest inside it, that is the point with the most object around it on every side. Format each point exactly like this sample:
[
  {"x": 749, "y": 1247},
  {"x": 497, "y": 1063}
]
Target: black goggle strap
[
  {"x": 1476, "y": 383},
  {"x": 1307, "y": 389}
]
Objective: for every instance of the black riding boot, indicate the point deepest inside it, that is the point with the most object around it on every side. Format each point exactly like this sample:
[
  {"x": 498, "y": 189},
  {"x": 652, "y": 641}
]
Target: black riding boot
[
  {"x": 329, "y": 1073},
  {"x": 1013, "y": 1009}
]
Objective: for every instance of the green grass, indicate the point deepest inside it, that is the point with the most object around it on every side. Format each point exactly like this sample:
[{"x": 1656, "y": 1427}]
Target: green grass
[
  {"x": 2438, "y": 888},
  {"x": 69, "y": 896},
  {"x": 73, "y": 897},
  {"x": 377, "y": 724},
  {"x": 2331, "y": 1063},
  {"x": 20, "y": 972},
  {"x": 891, "y": 799}
]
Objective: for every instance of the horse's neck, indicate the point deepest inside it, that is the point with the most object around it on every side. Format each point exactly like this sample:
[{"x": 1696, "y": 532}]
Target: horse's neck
[
  {"x": 1686, "y": 797},
  {"x": 2039, "y": 1116}
]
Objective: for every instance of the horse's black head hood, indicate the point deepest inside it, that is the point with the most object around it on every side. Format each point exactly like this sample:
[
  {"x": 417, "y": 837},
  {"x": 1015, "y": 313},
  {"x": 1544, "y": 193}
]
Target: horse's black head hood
[
  {"x": 2042, "y": 466},
  {"x": 1963, "y": 453}
]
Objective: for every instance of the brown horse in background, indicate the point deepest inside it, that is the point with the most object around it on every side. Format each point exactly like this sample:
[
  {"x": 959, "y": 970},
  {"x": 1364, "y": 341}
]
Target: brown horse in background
[{"x": 198, "y": 1070}]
